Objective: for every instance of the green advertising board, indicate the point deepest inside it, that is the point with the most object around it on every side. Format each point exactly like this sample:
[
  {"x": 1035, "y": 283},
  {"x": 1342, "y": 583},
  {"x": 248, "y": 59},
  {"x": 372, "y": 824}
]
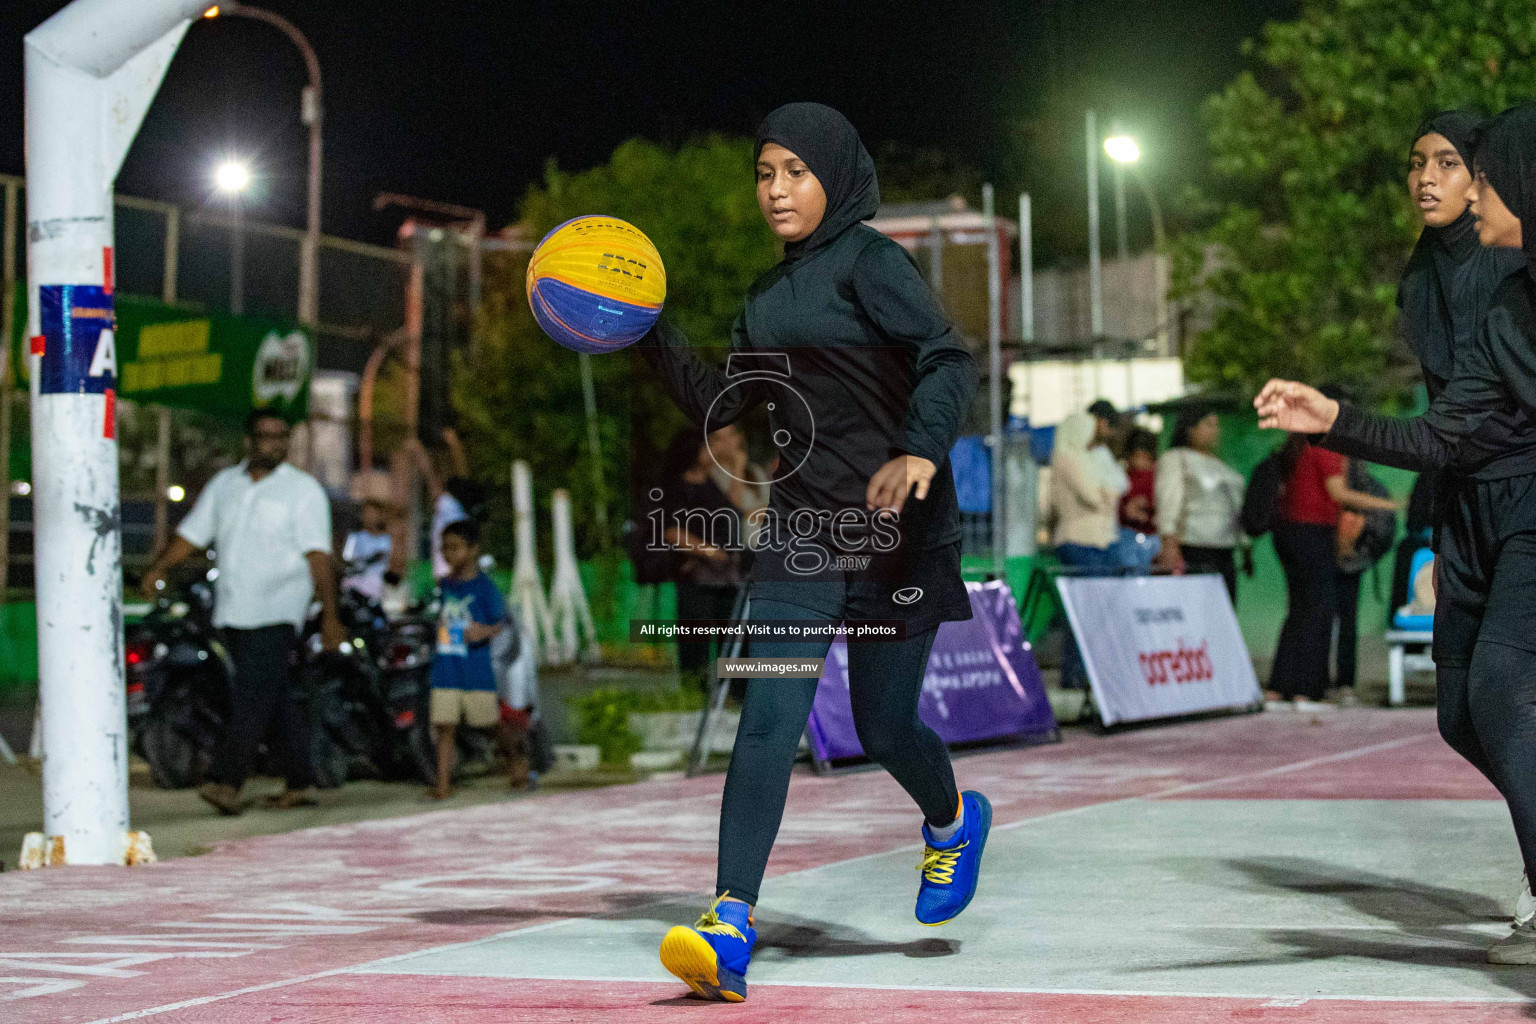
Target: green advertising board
[{"x": 213, "y": 362}]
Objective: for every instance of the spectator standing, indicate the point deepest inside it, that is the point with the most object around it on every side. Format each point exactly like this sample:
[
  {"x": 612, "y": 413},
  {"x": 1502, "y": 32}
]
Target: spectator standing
[
  {"x": 1138, "y": 506},
  {"x": 1363, "y": 539},
  {"x": 1306, "y": 540},
  {"x": 1086, "y": 485},
  {"x": 1139, "y": 543},
  {"x": 471, "y": 613},
  {"x": 367, "y": 551},
  {"x": 454, "y": 495},
  {"x": 1108, "y": 425},
  {"x": 1199, "y": 498},
  {"x": 270, "y": 524},
  {"x": 704, "y": 527}
]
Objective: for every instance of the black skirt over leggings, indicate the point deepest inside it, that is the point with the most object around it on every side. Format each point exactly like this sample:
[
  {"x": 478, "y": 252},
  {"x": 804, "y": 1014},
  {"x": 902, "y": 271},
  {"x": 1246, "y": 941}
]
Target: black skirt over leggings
[{"x": 884, "y": 682}]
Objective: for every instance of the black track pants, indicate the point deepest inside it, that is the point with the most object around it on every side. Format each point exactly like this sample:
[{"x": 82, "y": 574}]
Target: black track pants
[
  {"x": 884, "y": 681},
  {"x": 1307, "y": 554},
  {"x": 261, "y": 706}
]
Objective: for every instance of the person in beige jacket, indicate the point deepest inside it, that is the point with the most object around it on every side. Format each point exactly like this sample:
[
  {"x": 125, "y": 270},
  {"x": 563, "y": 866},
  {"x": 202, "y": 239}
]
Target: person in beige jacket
[{"x": 1086, "y": 484}]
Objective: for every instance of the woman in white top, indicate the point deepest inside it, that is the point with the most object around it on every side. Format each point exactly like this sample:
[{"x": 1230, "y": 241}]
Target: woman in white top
[{"x": 1199, "y": 498}]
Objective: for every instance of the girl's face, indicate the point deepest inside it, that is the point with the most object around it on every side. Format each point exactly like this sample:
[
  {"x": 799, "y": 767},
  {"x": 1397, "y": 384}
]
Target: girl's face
[
  {"x": 1438, "y": 180},
  {"x": 792, "y": 200},
  {"x": 1496, "y": 226},
  {"x": 1205, "y": 435}
]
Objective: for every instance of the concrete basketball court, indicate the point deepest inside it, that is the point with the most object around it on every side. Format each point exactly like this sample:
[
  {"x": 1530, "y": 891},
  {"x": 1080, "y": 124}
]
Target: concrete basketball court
[{"x": 1336, "y": 867}]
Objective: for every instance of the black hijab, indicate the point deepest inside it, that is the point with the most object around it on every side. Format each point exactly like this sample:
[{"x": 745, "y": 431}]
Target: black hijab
[
  {"x": 830, "y": 147},
  {"x": 1426, "y": 292},
  {"x": 1506, "y": 153}
]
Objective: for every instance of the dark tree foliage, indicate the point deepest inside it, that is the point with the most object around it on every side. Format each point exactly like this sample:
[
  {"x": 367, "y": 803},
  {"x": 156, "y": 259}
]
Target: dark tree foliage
[{"x": 1309, "y": 223}]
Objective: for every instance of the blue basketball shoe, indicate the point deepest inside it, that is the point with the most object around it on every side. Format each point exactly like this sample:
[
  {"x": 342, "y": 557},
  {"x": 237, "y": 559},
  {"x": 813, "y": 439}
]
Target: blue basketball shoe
[
  {"x": 712, "y": 956},
  {"x": 950, "y": 869}
]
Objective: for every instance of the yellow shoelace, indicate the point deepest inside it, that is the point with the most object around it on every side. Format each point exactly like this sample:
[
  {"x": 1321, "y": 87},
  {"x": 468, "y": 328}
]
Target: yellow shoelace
[
  {"x": 710, "y": 922},
  {"x": 938, "y": 866}
]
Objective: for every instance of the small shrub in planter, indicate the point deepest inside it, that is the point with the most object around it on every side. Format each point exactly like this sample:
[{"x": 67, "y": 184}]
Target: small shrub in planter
[{"x": 602, "y": 716}]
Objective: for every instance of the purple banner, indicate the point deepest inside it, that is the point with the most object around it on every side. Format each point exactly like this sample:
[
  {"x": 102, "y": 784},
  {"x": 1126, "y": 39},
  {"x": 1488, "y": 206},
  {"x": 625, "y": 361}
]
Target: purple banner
[{"x": 982, "y": 682}]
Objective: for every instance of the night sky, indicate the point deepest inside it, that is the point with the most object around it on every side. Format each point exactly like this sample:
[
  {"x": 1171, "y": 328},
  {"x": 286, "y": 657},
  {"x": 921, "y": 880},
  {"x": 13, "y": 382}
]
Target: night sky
[{"x": 464, "y": 102}]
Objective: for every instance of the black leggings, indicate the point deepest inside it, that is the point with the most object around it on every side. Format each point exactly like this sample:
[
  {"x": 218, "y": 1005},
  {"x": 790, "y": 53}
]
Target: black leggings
[
  {"x": 1485, "y": 639},
  {"x": 884, "y": 681}
]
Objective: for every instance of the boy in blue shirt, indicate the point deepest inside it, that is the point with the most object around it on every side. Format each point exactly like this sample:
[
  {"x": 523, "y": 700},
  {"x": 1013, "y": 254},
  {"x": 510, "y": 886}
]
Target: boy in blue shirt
[{"x": 463, "y": 682}]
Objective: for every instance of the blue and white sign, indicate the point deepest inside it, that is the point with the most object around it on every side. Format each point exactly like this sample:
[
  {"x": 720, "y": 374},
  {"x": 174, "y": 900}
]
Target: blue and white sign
[{"x": 79, "y": 353}]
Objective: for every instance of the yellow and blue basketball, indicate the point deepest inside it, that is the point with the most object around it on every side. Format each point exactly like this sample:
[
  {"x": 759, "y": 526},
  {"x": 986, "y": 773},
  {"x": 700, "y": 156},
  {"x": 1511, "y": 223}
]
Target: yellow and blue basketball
[{"x": 596, "y": 284}]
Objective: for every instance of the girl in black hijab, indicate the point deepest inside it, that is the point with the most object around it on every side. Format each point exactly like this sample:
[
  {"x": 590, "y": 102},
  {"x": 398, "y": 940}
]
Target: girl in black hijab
[
  {"x": 866, "y": 383},
  {"x": 1478, "y": 426}
]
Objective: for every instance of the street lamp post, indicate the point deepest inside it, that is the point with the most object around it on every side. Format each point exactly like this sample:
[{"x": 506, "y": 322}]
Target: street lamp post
[
  {"x": 1122, "y": 249},
  {"x": 1124, "y": 151},
  {"x": 310, "y": 114},
  {"x": 232, "y": 178},
  {"x": 1095, "y": 272}
]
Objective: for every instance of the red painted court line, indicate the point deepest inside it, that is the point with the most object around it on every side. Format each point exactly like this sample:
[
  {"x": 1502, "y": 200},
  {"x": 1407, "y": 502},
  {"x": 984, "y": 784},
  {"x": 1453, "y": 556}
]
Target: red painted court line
[
  {"x": 440, "y": 1000},
  {"x": 274, "y": 909}
]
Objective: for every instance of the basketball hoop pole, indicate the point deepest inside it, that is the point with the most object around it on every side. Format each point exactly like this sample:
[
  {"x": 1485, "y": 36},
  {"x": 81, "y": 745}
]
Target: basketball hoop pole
[{"x": 91, "y": 72}]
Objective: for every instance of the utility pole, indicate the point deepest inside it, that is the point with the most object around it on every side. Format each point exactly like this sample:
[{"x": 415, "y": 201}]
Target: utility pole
[
  {"x": 995, "y": 384},
  {"x": 1095, "y": 282},
  {"x": 92, "y": 70}
]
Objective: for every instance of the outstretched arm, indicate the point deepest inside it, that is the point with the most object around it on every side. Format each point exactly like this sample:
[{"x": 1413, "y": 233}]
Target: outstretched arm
[
  {"x": 698, "y": 388},
  {"x": 1430, "y": 441}
]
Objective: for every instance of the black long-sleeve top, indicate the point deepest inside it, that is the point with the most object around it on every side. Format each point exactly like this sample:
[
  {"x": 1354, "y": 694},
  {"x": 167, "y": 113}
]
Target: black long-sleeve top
[
  {"x": 857, "y": 364},
  {"x": 1479, "y": 423}
]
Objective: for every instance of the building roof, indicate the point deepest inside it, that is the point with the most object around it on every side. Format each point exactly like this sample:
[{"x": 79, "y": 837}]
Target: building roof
[{"x": 952, "y": 214}]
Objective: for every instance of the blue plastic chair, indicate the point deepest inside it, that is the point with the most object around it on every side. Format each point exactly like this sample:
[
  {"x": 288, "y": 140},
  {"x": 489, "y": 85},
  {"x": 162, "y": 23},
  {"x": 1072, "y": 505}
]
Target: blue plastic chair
[{"x": 1415, "y": 623}]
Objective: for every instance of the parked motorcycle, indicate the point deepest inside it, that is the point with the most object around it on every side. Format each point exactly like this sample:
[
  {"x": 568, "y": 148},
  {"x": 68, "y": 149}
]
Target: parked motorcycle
[
  {"x": 369, "y": 700},
  {"x": 178, "y": 678}
]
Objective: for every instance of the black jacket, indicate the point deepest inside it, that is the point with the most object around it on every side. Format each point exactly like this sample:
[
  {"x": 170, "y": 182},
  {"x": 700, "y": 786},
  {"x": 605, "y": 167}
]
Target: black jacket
[
  {"x": 857, "y": 364},
  {"x": 1480, "y": 421}
]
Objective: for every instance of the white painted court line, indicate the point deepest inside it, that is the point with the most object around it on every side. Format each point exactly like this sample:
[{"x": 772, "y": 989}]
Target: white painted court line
[
  {"x": 1052, "y": 815},
  {"x": 1311, "y": 762},
  {"x": 1012, "y": 990},
  {"x": 286, "y": 982}
]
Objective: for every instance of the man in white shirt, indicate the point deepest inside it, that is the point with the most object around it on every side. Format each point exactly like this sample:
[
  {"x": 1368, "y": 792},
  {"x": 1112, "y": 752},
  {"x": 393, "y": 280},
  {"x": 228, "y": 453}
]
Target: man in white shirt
[{"x": 270, "y": 526}]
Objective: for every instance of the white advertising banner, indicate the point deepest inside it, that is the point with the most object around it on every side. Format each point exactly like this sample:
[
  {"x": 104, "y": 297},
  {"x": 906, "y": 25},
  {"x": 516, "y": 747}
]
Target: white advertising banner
[{"x": 1159, "y": 646}]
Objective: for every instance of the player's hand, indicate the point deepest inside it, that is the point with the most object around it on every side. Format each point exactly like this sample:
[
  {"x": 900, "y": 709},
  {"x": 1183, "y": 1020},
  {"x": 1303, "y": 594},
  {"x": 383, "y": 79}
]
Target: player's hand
[
  {"x": 892, "y": 482},
  {"x": 1287, "y": 405}
]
